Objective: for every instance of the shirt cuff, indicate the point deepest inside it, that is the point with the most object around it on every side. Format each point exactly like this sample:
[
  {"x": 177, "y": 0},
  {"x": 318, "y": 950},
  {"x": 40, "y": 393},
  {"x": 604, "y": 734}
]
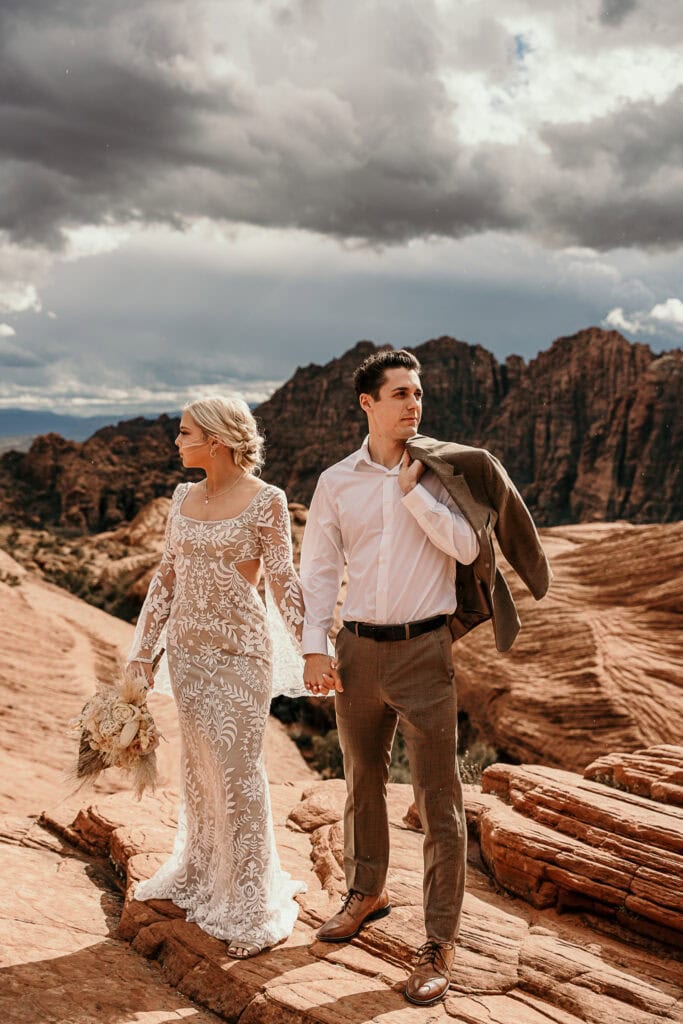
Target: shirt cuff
[
  {"x": 314, "y": 640},
  {"x": 419, "y": 501}
]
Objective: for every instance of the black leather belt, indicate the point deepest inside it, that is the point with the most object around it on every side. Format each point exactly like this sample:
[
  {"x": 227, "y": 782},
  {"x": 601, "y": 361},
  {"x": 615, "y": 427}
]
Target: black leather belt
[{"x": 405, "y": 631}]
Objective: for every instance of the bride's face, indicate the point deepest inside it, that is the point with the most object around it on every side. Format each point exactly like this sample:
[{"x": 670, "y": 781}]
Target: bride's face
[{"x": 192, "y": 446}]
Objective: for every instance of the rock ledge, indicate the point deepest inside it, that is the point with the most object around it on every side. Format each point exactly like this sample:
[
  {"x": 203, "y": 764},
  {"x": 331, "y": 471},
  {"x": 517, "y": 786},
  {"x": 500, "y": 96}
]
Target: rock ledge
[{"x": 517, "y": 962}]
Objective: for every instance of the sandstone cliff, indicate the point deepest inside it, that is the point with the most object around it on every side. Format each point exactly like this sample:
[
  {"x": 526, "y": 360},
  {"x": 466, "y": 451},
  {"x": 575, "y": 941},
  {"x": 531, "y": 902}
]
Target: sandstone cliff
[
  {"x": 572, "y": 911},
  {"x": 95, "y": 485},
  {"x": 589, "y": 430},
  {"x": 597, "y": 665}
]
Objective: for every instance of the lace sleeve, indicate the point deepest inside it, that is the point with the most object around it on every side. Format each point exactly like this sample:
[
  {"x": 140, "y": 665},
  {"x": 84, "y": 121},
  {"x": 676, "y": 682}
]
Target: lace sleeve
[
  {"x": 284, "y": 599},
  {"x": 281, "y": 578},
  {"x": 157, "y": 606}
]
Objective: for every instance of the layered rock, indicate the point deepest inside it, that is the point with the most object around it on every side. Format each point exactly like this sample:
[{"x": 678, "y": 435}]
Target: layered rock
[
  {"x": 516, "y": 962},
  {"x": 589, "y": 430},
  {"x": 61, "y": 960},
  {"x": 562, "y": 840},
  {"x": 597, "y": 665},
  {"x": 656, "y": 773}
]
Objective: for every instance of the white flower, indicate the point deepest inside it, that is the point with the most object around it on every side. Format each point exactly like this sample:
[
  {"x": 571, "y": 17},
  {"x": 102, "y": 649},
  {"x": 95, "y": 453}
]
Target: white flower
[
  {"x": 128, "y": 734},
  {"x": 107, "y": 727},
  {"x": 123, "y": 713}
]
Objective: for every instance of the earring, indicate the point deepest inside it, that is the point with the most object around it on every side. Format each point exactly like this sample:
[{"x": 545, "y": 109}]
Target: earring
[{"x": 212, "y": 453}]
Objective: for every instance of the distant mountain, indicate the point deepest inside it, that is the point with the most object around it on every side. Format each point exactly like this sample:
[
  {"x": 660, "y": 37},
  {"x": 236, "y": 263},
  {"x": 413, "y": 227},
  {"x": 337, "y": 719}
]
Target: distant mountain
[
  {"x": 590, "y": 430},
  {"x": 16, "y": 443},
  {"x": 21, "y": 423},
  {"x": 94, "y": 485}
]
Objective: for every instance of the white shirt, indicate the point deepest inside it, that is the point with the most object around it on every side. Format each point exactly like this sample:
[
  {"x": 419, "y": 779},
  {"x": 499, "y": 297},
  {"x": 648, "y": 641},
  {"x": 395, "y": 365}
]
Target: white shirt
[{"x": 400, "y": 549}]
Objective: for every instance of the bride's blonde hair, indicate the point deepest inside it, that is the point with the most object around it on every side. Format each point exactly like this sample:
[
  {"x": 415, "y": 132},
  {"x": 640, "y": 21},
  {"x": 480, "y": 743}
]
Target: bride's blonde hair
[{"x": 230, "y": 421}]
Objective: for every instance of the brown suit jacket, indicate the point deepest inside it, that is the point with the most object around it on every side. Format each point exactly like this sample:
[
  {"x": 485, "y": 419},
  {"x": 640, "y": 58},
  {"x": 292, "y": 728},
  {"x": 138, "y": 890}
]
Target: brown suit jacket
[{"x": 491, "y": 503}]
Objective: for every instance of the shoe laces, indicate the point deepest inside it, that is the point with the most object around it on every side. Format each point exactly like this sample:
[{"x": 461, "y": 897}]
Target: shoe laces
[
  {"x": 431, "y": 952},
  {"x": 349, "y": 897}
]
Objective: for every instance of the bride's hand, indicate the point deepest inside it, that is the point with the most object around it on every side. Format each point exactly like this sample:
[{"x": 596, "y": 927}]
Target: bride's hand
[
  {"x": 321, "y": 675},
  {"x": 144, "y": 669}
]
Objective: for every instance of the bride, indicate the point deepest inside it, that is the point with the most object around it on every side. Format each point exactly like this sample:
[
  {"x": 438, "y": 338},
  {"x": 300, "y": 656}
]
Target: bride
[{"x": 203, "y": 607}]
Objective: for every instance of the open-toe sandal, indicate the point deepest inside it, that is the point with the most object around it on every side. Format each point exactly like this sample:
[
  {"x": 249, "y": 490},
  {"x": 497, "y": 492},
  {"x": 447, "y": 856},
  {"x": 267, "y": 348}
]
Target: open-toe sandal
[{"x": 242, "y": 951}]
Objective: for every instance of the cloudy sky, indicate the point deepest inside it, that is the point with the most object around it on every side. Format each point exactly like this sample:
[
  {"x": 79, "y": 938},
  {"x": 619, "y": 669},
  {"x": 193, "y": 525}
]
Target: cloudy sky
[{"x": 204, "y": 195}]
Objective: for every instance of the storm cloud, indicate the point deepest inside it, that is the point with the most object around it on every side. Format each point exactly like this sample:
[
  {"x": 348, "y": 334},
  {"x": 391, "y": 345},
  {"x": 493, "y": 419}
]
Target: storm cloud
[
  {"x": 203, "y": 195},
  {"x": 353, "y": 121},
  {"x": 613, "y": 12}
]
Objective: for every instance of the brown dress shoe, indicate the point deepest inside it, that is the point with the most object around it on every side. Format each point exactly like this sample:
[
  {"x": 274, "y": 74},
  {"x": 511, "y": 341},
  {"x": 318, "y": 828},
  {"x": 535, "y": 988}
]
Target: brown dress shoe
[
  {"x": 432, "y": 974},
  {"x": 356, "y": 909}
]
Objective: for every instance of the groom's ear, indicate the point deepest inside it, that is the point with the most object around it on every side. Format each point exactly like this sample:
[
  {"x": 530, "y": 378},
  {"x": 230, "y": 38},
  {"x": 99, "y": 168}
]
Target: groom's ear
[{"x": 366, "y": 402}]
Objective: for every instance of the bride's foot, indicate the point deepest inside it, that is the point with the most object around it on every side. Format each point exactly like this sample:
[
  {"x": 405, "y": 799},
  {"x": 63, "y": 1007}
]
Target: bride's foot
[{"x": 243, "y": 950}]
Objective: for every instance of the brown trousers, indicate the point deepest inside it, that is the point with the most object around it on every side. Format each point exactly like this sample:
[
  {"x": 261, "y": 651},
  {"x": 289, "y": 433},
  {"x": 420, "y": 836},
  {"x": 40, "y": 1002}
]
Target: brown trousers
[{"x": 410, "y": 682}]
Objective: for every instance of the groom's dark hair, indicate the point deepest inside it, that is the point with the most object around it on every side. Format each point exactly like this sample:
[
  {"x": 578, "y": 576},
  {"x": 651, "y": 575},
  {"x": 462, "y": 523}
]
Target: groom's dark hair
[{"x": 370, "y": 375}]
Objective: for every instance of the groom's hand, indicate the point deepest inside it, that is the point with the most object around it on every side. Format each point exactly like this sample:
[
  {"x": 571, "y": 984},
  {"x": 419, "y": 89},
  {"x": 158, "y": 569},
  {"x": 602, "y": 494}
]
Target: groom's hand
[
  {"x": 321, "y": 675},
  {"x": 410, "y": 472}
]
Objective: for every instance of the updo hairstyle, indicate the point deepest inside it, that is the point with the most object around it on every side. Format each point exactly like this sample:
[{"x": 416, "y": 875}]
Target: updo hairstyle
[{"x": 230, "y": 421}]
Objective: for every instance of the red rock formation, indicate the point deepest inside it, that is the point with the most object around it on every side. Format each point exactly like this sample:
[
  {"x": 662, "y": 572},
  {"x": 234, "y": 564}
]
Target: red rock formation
[
  {"x": 53, "y": 648},
  {"x": 60, "y": 960},
  {"x": 655, "y": 772},
  {"x": 597, "y": 665},
  {"x": 93, "y": 486},
  {"x": 516, "y": 962},
  {"x": 566, "y": 841},
  {"x": 559, "y": 839},
  {"x": 589, "y": 430}
]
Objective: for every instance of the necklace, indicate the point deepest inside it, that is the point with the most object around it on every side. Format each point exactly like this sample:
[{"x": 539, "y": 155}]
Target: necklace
[{"x": 208, "y": 497}]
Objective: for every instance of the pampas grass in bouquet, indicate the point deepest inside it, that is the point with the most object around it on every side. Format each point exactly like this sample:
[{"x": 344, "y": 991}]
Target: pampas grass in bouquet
[{"x": 116, "y": 730}]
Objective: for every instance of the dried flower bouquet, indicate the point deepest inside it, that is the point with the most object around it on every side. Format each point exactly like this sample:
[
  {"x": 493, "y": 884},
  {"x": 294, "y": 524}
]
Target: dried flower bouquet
[{"x": 116, "y": 730}]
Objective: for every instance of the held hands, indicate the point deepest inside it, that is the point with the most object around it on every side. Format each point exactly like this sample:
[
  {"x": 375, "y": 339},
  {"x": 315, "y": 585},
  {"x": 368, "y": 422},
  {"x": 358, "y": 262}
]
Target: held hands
[
  {"x": 410, "y": 472},
  {"x": 321, "y": 675}
]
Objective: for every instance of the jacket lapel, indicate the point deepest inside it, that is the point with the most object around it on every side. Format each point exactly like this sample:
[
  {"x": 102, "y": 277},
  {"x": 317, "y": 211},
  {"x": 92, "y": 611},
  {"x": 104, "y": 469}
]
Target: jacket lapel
[{"x": 457, "y": 487}]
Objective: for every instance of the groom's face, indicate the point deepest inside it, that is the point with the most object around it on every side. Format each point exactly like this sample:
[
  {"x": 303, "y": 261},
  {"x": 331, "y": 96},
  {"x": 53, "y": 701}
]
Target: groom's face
[{"x": 397, "y": 411}]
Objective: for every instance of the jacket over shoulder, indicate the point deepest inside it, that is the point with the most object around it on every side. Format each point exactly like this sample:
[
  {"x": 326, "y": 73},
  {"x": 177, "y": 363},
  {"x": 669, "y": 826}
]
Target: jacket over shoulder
[{"x": 480, "y": 486}]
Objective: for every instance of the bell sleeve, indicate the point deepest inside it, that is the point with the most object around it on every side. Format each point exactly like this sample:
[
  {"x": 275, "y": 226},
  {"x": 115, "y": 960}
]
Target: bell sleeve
[{"x": 148, "y": 638}]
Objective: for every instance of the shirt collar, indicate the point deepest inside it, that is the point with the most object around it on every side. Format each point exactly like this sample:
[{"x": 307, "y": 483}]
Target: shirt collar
[{"x": 363, "y": 459}]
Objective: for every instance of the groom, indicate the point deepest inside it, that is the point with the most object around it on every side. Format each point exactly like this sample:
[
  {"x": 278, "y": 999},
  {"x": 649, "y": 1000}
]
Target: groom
[
  {"x": 401, "y": 534},
  {"x": 412, "y": 517}
]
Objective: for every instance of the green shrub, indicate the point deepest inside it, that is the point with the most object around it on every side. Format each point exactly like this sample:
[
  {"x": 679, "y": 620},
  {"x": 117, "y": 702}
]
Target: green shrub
[
  {"x": 327, "y": 756},
  {"x": 473, "y": 761}
]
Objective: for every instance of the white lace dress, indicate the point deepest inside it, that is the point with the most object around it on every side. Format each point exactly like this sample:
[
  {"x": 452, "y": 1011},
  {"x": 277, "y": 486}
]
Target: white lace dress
[{"x": 224, "y": 869}]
